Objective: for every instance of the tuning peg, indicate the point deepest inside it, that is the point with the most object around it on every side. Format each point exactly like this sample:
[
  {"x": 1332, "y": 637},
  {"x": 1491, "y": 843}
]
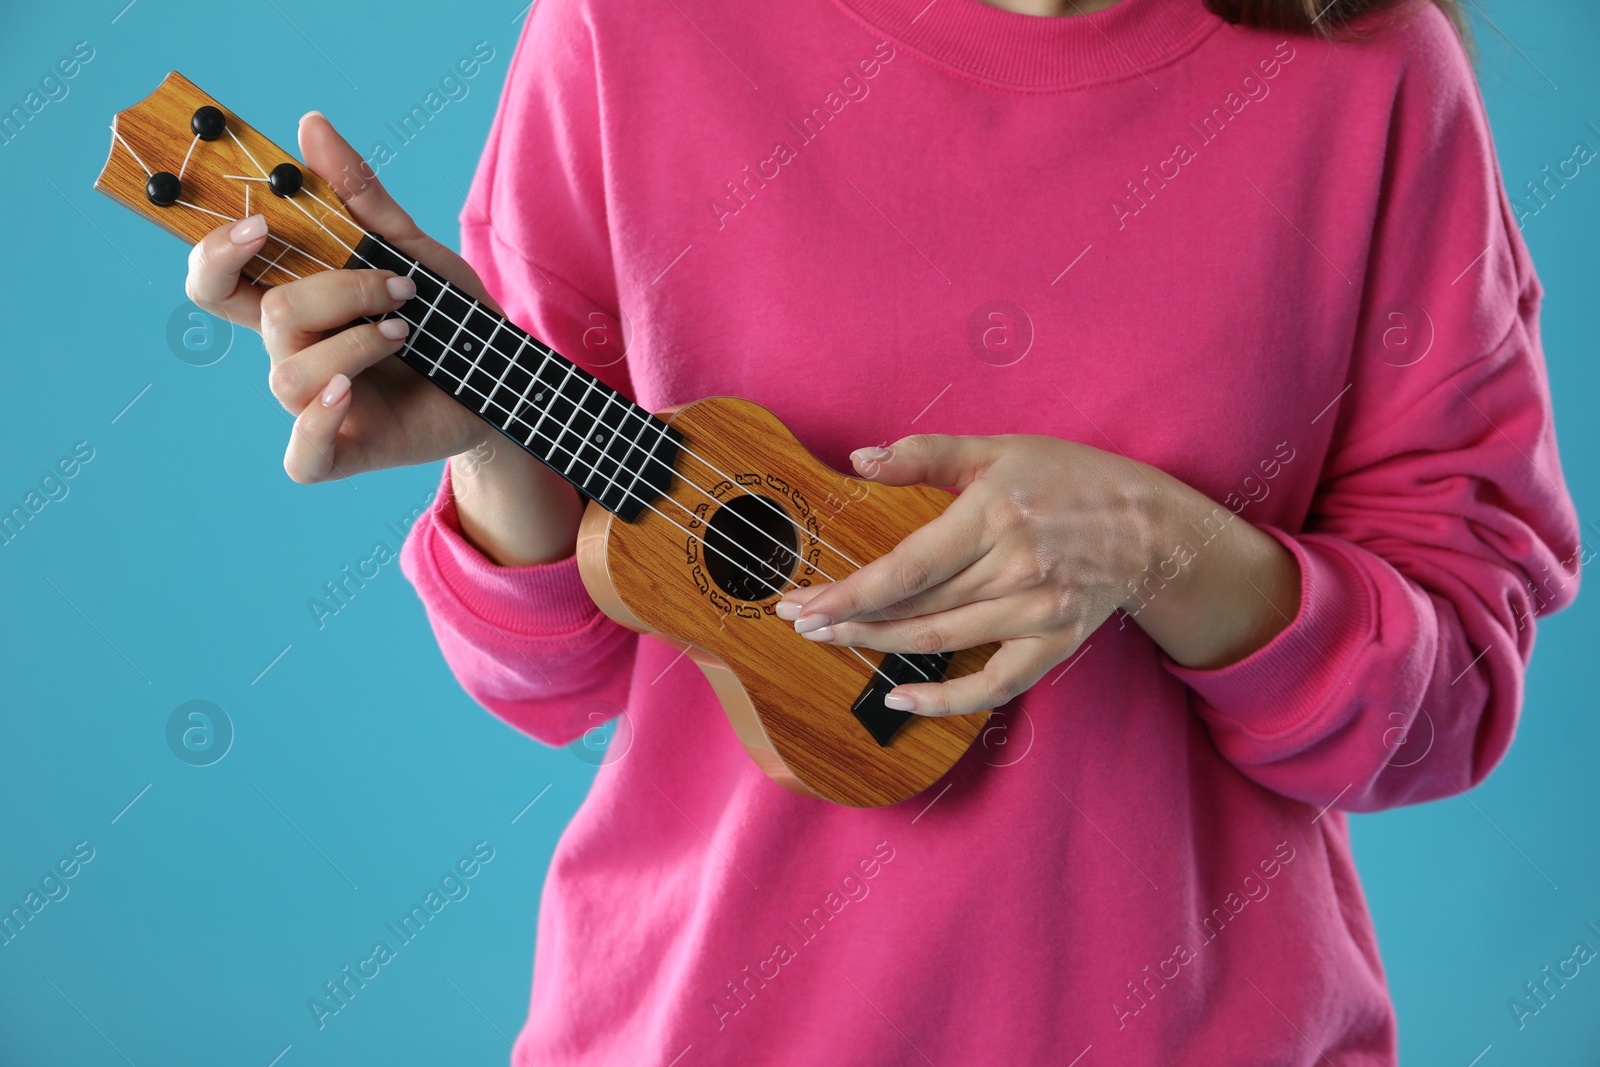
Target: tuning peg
[
  {"x": 163, "y": 188},
  {"x": 285, "y": 179},
  {"x": 208, "y": 123}
]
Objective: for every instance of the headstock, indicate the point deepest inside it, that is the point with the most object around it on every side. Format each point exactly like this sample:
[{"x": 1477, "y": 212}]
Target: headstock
[{"x": 188, "y": 164}]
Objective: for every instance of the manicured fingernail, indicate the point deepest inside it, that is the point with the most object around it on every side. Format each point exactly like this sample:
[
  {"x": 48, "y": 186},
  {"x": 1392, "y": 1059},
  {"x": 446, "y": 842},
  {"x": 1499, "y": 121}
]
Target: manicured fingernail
[
  {"x": 786, "y": 611},
  {"x": 825, "y": 633},
  {"x": 401, "y": 288},
  {"x": 335, "y": 391},
  {"x": 308, "y": 114},
  {"x": 394, "y": 329},
  {"x": 870, "y": 455},
  {"x": 250, "y": 228},
  {"x": 812, "y": 622},
  {"x": 896, "y": 702}
]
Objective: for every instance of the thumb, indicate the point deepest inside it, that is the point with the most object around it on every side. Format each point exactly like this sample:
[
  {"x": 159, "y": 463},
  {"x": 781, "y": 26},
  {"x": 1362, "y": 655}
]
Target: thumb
[
  {"x": 927, "y": 459},
  {"x": 341, "y": 166}
]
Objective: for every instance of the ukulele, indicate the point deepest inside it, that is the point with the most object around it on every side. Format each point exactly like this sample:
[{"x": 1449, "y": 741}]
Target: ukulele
[{"x": 698, "y": 518}]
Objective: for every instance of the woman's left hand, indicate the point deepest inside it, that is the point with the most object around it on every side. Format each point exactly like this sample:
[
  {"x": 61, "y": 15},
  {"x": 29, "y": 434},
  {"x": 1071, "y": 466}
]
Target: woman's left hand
[{"x": 1046, "y": 540}]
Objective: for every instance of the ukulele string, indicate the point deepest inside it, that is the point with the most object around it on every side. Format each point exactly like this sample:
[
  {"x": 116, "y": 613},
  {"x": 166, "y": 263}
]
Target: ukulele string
[
  {"x": 644, "y": 416},
  {"x": 186, "y": 156},
  {"x": 875, "y": 668},
  {"x": 555, "y": 442},
  {"x": 288, "y": 247},
  {"x": 462, "y": 328},
  {"x": 148, "y": 173},
  {"x": 645, "y": 421}
]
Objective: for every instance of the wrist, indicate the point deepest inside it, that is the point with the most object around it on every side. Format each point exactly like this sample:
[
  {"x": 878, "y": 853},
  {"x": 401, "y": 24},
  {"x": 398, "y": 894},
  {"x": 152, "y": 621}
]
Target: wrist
[
  {"x": 1215, "y": 588},
  {"x": 1163, "y": 509},
  {"x": 511, "y": 507}
]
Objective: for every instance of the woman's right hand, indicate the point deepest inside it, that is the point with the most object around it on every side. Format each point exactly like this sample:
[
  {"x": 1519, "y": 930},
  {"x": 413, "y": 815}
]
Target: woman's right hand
[{"x": 357, "y": 409}]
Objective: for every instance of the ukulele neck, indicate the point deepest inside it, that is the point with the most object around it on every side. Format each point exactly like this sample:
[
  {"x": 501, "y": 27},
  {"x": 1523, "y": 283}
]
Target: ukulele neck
[{"x": 610, "y": 449}]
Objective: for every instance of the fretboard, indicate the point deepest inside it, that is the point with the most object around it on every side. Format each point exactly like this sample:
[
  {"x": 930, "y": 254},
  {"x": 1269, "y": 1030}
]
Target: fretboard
[{"x": 611, "y": 449}]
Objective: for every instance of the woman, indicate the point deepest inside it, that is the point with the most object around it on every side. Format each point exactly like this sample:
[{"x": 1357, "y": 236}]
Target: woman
[{"x": 1226, "y": 333}]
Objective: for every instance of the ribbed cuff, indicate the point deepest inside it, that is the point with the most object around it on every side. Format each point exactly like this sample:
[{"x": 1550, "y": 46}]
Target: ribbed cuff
[
  {"x": 543, "y": 600},
  {"x": 1286, "y": 684}
]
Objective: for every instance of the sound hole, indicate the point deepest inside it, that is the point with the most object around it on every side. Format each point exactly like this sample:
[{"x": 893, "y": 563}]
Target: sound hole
[{"x": 751, "y": 547}]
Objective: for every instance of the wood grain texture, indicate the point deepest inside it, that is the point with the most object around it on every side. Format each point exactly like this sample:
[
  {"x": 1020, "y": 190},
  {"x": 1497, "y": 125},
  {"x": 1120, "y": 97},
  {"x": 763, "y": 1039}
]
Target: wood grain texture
[
  {"x": 309, "y": 232},
  {"x": 787, "y": 698}
]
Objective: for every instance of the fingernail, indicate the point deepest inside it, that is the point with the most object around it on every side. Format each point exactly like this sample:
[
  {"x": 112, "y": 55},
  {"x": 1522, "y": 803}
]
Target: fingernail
[
  {"x": 870, "y": 455},
  {"x": 308, "y": 114},
  {"x": 394, "y": 329},
  {"x": 786, "y": 611},
  {"x": 812, "y": 622},
  {"x": 401, "y": 288},
  {"x": 250, "y": 228},
  {"x": 896, "y": 702},
  {"x": 335, "y": 391},
  {"x": 823, "y": 634}
]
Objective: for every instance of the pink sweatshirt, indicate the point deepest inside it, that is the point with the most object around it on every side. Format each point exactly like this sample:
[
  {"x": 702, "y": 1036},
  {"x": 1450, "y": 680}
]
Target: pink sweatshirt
[{"x": 1281, "y": 269}]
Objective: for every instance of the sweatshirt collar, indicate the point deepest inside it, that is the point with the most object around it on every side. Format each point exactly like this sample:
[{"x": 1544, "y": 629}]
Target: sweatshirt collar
[{"x": 1040, "y": 53}]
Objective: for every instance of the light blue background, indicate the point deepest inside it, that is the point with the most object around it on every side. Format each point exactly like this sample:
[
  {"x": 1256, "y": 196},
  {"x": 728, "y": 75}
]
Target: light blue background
[{"x": 181, "y": 561}]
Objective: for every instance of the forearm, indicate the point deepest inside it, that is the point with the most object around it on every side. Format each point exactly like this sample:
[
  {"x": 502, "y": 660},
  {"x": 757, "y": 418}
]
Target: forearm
[
  {"x": 1217, "y": 589},
  {"x": 512, "y": 508}
]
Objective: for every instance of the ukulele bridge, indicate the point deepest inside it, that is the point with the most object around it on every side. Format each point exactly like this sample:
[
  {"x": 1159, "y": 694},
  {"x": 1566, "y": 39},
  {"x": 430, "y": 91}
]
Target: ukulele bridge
[{"x": 897, "y": 668}]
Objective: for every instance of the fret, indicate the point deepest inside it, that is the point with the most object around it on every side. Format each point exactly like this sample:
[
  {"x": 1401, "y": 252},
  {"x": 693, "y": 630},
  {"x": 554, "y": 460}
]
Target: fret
[
  {"x": 601, "y": 435},
  {"x": 449, "y": 345},
  {"x": 608, "y": 439},
  {"x": 623, "y": 462},
  {"x": 566, "y": 427},
  {"x": 421, "y": 345},
  {"x": 474, "y": 326},
  {"x": 450, "y": 309},
  {"x": 605, "y": 429},
  {"x": 488, "y": 346},
  {"x": 588, "y": 429},
  {"x": 519, "y": 381},
  {"x": 512, "y": 380},
  {"x": 419, "y": 331},
  {"x": 548, "y": 407}
]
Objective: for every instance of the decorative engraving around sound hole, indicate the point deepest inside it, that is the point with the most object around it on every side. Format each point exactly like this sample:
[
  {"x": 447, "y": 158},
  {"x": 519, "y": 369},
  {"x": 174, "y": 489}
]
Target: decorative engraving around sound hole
[{"x": 751, "y": 547}]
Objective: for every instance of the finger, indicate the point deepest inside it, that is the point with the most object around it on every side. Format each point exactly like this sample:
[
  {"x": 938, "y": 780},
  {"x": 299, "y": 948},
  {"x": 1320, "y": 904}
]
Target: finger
[
  {"x": 294, "y": 316},
  {"x": 331, "y": 157},
  {"x": 297, "y": 380},
  {"x": 963, "y": 626},
  {"x": 310, "y": 455},
  {"x": 928, "y": 459},
  {"x": 929, "y": 555},
  {"x": 788, "y": 609},
  {"x": 983, "y": 579},
  {"x": 1010, "y": 672},
  {"x": 215, "y": 263},
  {"x": 976, "y": 581}
]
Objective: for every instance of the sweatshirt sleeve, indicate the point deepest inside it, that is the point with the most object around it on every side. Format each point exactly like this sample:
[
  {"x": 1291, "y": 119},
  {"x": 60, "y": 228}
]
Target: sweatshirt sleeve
[
  {"x": 528, "y": 643},
  {"x": 1441, "y": 525}
]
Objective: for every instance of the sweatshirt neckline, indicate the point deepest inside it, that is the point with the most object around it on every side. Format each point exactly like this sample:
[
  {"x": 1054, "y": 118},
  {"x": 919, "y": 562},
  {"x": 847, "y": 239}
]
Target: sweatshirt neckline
[{"x": 1038, "y": 52}]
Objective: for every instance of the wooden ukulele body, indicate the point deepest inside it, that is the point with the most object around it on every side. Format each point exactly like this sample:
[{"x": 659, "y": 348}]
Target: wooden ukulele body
[{"x": 788, "y": 699}]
